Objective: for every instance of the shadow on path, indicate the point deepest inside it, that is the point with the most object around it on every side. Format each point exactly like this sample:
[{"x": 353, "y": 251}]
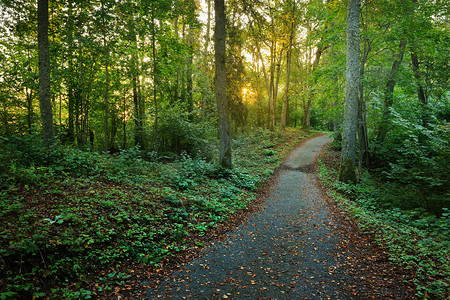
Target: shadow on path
[{"x": 283, "y": 252}]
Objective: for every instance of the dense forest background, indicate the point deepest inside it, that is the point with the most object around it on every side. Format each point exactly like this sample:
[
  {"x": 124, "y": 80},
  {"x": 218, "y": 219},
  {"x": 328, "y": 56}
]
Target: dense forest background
[
  {"x": 135, "y": 79},
  {"x": 141, "y": 74}
]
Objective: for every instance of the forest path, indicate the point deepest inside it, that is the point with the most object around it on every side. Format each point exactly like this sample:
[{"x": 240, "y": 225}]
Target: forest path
[
  {"x": 298, "y": 245},
  {"x": 283, "y": 252}
]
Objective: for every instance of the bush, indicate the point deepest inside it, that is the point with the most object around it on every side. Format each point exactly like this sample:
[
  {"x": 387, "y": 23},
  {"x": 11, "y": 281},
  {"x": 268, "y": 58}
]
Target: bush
[
  {"x": 178, "y": 134},
  {"x": 415, "y": 156},
  {"x": 25, "y": 160},
  {"x": 186, "y": 172}
]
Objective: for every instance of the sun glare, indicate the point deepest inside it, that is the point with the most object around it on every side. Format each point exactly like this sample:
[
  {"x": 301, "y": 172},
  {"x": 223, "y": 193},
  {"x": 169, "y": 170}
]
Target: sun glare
[{"x": 249, "y": 95}]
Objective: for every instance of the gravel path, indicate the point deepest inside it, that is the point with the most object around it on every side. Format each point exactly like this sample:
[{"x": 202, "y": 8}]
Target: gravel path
[{"x": 284, "y": 252}]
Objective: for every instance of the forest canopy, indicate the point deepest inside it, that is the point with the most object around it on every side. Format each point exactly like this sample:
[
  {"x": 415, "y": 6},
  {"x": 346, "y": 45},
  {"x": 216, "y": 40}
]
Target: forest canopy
[{"x": 141, "y": 74}]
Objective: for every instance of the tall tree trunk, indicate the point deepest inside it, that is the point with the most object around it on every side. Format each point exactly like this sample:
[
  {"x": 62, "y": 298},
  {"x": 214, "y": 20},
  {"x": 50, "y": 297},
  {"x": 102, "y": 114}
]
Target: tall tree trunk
[
  {"x": 44, "y": 74},
  {"x": 189, "y": 80},
  {"x": 205, "y": 58},
  {"x": 106, "y": 142},
  {"x": 389, "y": 93},
  {"x": 363, "y": 139},
  {"x": 113, "y": 130},
  {"x": 259, "y": 102},
  {"x": 421, "y": 95},
  {"x": 335, "y": 77},
  {"x": 307, "y": 86},
  {"x": 266, "y": 80},
  {"x": 71, "y": 100},
  {"x": 310, "y": 94},
  {"x": 124, "y": 111},
  {"x": 348, "y": 171},
  {"x": 221, "y": 84},
  {"x": 138, "y": 130},
  {"x": 416, "y": 69},
  {"x": 29, "y": 96},
  {"x": 275, "y": 89},
  {"x": 306, "y": 122},
  {"x": 78, "y": 96},
  {"x": 176, "y": 88},
  {"x": 106, "y": 98},
  {"x": 364, "y": 154},
  {"x": 83, "y": 102},
  {"x": 155, "y": 80},
  {"x": 136, "y": 87},
  {"x": 285, "y": 108},
  {"x": 271, "y": 111},
  {"x": 70, "y": 79}
]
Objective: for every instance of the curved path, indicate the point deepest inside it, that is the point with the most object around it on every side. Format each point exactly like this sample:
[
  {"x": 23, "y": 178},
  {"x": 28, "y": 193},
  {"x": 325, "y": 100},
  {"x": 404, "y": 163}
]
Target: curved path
[{"x": 283, "y": 252}]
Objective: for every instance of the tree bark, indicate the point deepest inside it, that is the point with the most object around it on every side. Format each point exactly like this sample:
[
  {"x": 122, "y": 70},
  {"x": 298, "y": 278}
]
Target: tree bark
[
  {"x": 139, "y": 110},
  {"x": 306, "y": 122},
  {"x": 44, "y": 74},
  {"x": 29, "y": 96},
  {"x": 106, "y": 99},
  {"x": 416, "y": 69},
  {"x": 348, "y": 171},
  {"x": 176, "y": 94},
  {"x": 275, "y": 90},
  {"x": 205, "y": 59},
  {"x": 271, "y": 111},
  {"x": 266, "y": 80},
  {"x": 221, "y": 84},
  {"x": 70, "y": 119},
  {"x": 363, "y": 139},
  {"x": 106, "y": 92},
  {"x": 389, "y": 93},
  {"x": 421, "y": 94},
  {"x": 124, "y": 111},
  {"x": 69, "y": 80},
  {"x": 189, "y": 79},
  {"x": 155, "y": 80},
  {"x": 285, "y": 108}
]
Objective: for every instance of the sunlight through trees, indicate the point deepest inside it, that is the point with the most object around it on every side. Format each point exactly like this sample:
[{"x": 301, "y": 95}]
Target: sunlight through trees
[{"x": 139, "y": 84}]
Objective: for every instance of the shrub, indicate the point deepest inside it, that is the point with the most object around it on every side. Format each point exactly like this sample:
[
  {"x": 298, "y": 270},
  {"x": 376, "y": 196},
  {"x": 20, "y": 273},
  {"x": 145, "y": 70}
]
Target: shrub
[
  {"x": 178, "y": 134},
  {"x": 414, "y": 157}
]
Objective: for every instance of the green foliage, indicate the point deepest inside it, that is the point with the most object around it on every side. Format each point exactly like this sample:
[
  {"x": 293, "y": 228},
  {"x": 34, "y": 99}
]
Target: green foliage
[
  {"x": 178, "y": 134},
  {"x": 269, "y": 152},
  {"x": 26, "y": 160},
  {"x": 415, "y": 159},
  {"x": 188, "y": 172},
  {"x": 415, "y": 238},
  {"x": 72, "y": 216},
  {"x": 244, "y": 180}
]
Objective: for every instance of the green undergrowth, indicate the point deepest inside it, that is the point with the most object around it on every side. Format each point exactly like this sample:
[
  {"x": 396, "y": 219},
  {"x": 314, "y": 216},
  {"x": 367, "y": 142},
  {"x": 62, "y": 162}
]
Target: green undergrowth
[
  {"x": 416, "y": 239},
  {"x": 75, "y": 224}
]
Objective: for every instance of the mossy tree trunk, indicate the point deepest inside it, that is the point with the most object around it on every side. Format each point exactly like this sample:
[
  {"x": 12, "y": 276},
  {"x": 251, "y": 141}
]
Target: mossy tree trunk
[
  {"x": 44, "y": 74},
  {"x": 348, "y": 170},
  {"x": 221, "y": 85}
]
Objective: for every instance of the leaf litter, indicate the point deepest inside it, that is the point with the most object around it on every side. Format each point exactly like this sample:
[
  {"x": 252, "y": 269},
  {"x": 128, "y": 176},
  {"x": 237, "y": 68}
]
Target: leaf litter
[{"x": 293, "y": 243}]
